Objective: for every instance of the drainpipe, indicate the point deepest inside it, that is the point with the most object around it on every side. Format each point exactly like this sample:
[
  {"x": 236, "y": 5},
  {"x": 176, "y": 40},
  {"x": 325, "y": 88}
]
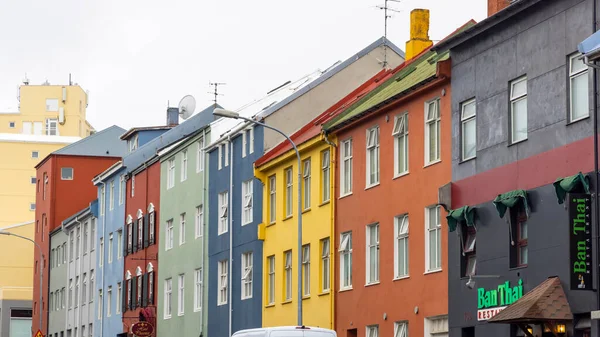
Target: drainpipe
[
  {"x": 332, "y": 170},
  {"x": 229, "y": 215},
  {"x": 103, "y": 235}
]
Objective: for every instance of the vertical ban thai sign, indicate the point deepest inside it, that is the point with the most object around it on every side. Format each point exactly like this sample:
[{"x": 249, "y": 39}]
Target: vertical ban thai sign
[{"x": 580, "y": 240}]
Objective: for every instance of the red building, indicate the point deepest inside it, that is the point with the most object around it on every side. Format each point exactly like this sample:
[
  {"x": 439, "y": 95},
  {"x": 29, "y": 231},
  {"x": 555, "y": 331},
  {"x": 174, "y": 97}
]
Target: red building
[
  {"x": 64, "y": 187},
  {"x": 141, "y": 248}
]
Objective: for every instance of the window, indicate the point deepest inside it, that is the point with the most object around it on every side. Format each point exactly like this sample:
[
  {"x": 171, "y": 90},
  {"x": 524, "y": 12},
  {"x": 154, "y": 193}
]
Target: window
[
  {"x": 45, "y": 179},
  {"x": 251, "y": 150},
  {"x": 77, "y": 245},
  {"x": 433, "y": 242},
  {"x": 468, "y": 129},
  {"x": 518, "y": 110},
  {"x": 306, "y": 270},
  {"x": 400, "y": 134},
  {"x": 271, "y": 279},
  {"x": 436, "y": 326},
  {"x": 71, "y": 244},
  {"x": 35, "y": 154},
  {"x": 222, "y": 273},
  {"x": 151, "y": 225},
  {"x": 168, "y": 298},
  {"x": 401, "y": 246},
  {"x": 401, "y": 329},
  {"x": 346, "y": 174},
  {"x": 110, "y": 248},
  {"x": 198, "y": 289},
  {"x": 288, "y": 192},
  {"x": 373, "y": 156},
  {"x": 244, "y": 143},
  {"x": 66, "y": 173},
  {"x": 373, "y": 331},
  {"x": 247, "y": 275},
  {"x": 272, "y": 199},
  {"x": 32, "y": 207},
  {"x": 373, "y": 253},
  {"x": 100, "y": 303},
  {"x": 133, "y": 143},
  {"x": 92, "y": 289},
  {"x": 226, "y": 146},
  {"x": 306, "y": 182},
  {"x": 52, "y": 104},
  {"x": 119, "y": 296},
  {"x": 101, "y": 257},
  {"x": 52, "y": 127},
  {"x": 122, "y": 189},
  {"x": 108, "y": 301},
  {"x": 70, "y": 293},
  {"x": 578, "y": 86},
  {"x": 102, "y": 199},
  {"x": 119, "y": 244},
  {"x": 325, "y": 274},
  {"x": 223, "y": 203},
  {"x": 151, "y": 287},
  {"x": 132, "y": 186},
  {"x": 129, "y": 292},
  {"x": 200, "y": 155},
  {"x": 220, "y": 157},
  {"x": 169, "y": 235},
  {"x": 247, "y": 206},
  {"x": 199, "y": 222},
  {"x": 184, "y": 164},
  {"x": 130, "y": 235},
  {"x": 92, "y": 236},
  {"x": 432, "y": 131},
  {"x": 171, "y": 173},
  {"x": 519, "y": 253},
  {"x": 111, "y": 195},
  {"x": 11, "y": 125},
  {"x": 33, "y": 180},
  {"x": 181, "y": 296},
  {"x": 346, "y": 260},
  {"x": 181, "y": 229},
  {"x": 85, "y": 238},
  {"x": 288, "y": 275},
  {"x": 469, "y": 260},
  {"x": 325, "y": 176}
]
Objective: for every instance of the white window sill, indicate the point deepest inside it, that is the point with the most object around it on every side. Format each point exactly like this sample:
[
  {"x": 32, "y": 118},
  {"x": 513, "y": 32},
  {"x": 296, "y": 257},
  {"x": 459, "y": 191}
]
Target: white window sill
[
  {"x": 167, "y": 317},
  {"x": 180, "y": 314},
  {"x": 345, "y": 289},
  {"x": 516, "y": 142},
  {"x": 400, "y": 175},
  {"x": 372, "y": 284},
  {"x": 432, "y": 163},
  {"x": 401, "y": 278},
  {"x": 221, "y": 304},
  {"x": 246, "y": 298},
  {"x": 433, "y": 271},
  {"x": 345, "y": 195},
  {"x": 372, "y": 186},
  {"x": 222, "y": 233},
  {"x": 197, "y": 309}
]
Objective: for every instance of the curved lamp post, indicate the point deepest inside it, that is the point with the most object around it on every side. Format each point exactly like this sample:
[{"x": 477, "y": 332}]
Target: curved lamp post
[{"x": 234, "y": 115}]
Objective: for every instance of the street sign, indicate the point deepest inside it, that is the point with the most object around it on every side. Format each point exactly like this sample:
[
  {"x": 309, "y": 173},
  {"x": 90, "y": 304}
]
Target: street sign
[{"x": 39, "y": 334}]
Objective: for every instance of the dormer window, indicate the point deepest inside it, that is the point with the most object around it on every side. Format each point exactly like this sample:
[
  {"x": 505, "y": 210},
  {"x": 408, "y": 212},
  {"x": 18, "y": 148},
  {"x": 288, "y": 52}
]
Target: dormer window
[{"x": 133, "y": 143}]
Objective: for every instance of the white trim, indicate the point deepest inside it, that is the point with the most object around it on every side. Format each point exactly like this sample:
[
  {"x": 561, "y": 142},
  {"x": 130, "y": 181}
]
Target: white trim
[
  {"x": 28, "y": 138},
  {"x": 18, "y": 225},
  {"x": 463, "y": 122}
]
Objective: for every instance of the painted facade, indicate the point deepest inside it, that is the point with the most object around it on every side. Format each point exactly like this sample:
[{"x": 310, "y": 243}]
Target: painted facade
[
  {"x": 183, "y": 217},
  {"x": 523, "y": 149},
  {"x": 57, "y": 308},
  {"x": 59, "y": 175}
]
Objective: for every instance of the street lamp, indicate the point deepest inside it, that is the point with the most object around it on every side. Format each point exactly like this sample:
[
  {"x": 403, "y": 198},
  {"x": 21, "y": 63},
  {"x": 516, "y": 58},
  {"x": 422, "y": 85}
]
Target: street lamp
[
  {"x": 234, "y": 115},
  {"x": 4, "y": 232}
]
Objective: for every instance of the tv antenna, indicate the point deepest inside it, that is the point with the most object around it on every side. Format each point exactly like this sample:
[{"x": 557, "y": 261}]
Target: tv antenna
[
  {"x": 187, "y": 105},
  {"x": 386, "y": 8},
  {"x": 216, "y": 91}
]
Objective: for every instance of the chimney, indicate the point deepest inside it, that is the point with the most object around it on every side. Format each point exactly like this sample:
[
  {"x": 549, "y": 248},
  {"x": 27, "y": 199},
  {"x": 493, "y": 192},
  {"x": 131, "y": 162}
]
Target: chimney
[
  {"x": 172, "y": 116},
  {"x": 419, "y": 33},
  {"x": 494, "y": 6}
]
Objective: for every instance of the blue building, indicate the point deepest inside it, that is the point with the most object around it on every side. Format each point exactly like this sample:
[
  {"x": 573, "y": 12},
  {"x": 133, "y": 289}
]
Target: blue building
[{"x": 235, "y": 196}]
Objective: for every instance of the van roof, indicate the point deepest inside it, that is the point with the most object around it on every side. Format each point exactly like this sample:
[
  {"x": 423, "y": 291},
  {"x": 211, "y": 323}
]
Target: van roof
[{"x": 287, "y": 327}]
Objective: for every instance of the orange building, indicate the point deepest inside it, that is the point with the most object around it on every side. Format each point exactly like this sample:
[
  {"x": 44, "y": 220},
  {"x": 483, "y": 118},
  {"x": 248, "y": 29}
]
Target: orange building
[{"x": 394, "y": 153}]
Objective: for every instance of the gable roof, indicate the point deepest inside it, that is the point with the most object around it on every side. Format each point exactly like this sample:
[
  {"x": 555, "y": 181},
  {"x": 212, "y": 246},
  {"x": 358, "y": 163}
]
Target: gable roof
[
  {"x": 408, "y": 76},
  {"x": 284, "y": 95},
  {"x": 313, "y": 128}
]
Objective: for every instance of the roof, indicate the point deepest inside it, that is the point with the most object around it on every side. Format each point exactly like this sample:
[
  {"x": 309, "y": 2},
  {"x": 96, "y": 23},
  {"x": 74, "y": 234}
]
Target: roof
[
  {"x": 84, "y": 212},
  {"x": 547, "y": 301},
  {"x": 287, "y": 93},
  {"x": 105, "y": 143},
  {"x": 313, "y": 128},
  {"x": 590, "y": 46},
  {"x": 408, "y": 75},
  {"x": 132, "y": 131},
  {"x": 486, "y": 24}
]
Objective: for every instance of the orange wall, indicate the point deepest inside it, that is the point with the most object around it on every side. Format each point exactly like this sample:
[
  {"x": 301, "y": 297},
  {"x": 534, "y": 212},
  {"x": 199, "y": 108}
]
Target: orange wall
[{"x": 366, "y": 305}]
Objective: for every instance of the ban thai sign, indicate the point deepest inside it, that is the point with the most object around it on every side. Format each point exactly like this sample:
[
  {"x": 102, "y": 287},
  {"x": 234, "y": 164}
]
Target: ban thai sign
[
  {"x": 491, "y": 302},
  {"x": 142, "y": 329},
  {"x": 580, "y": 241}
]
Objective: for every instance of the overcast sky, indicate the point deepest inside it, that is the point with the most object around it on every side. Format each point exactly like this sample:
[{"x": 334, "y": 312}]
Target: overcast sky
[{"x": 133, "y": 56}]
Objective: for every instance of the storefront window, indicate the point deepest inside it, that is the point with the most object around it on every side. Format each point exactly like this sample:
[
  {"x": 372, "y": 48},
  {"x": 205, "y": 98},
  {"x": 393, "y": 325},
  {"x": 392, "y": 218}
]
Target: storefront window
[{"x": 20, "y": 323}]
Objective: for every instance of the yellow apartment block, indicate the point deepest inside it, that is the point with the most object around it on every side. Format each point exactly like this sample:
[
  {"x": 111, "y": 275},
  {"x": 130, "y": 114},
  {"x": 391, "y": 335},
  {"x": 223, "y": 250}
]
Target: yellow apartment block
[
  {"x": 278, "y": 170},
  {"x": 49, "y": 118},
  {"x": 16, "y": 269}
]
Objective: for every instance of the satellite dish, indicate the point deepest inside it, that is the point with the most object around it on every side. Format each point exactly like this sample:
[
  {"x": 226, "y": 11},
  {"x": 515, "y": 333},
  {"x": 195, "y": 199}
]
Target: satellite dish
[{"x": 187, "y": 106}]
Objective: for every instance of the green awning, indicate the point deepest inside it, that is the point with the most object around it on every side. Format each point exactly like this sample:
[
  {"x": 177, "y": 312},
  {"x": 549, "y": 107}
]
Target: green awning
[
  {"x": 509, "y": 200},
  {"x": 456, "y": 216},
  {"x": 568, "y": 184}
]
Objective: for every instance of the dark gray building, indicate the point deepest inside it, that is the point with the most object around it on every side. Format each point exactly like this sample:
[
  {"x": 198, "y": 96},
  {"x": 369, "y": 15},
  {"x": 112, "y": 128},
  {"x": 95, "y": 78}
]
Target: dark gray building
[{"x": 522, "y": 117}]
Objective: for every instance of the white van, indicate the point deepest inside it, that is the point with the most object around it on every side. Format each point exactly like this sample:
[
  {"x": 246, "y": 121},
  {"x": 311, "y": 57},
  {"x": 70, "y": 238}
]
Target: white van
[{"x": 286, "y": 331}]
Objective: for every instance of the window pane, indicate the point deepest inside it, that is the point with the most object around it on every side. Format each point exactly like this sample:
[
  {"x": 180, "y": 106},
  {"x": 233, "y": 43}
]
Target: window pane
[
  {"x": 523, "y": 231},
  {"x": 579, "y": 97},
  {"x": 468, "y": 110},
  {"x": 523, "y": 255},
  {"x": 432, "y": 141},
  {"x": 469, "y": 138},
  {"x": 519, "y": 88},
  {"x": 519, "y": 120},
  {"x": 577, "y": 64},
  {"x": 432, "y": 249},
  {"x": 402, "y": 154}
]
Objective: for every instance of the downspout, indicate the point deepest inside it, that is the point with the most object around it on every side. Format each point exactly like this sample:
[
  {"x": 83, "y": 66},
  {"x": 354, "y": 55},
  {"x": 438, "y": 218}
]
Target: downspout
[
  {"x": 332, "y": 170},
  {"x": 80, "y": 262},
  {"x": 204, "y": 236},
  {"x": 229, "y": 215},
  {"x": 103, "y": 235}
]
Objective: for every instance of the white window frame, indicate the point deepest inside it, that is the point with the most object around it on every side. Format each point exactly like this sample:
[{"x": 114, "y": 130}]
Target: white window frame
[
  {"x": 132, "y": 186},
  {"x": 110, "y": 248},
  {"x": 199, "y": 222},
  {"x": 52, "y": 127},
  {"x": 434, "y": 120},
  {"x": 101, "y": 257},
  {"x": 119, "y": 296},
  {"x": 171, "y": 173},
  {"x": 119, "y": 244},
  {"x": 272, "y": 199},
  {"x": 401, "y": 231},
  {"x": 66, "y": 177},
  {"x": 466, "y": 120},
  {"x": 100, "y": 304},
  {"x": 244, "y": 143},
  {"x": 226, "y": 153},
  {"x": 52, "y": 104},
  {"x": 222, "y": 289},
  {"x": 140, "y": 228},
  {"x": 247, "y": 275},
  {"x": 372, "y": 246},
  {"x": 271, "y": 279},
  {"x": 251, "y": 141},
  {"x": 184, "y": 165},
  {"x": 108, "y": 301},
  {"x": 122, "y": 189},
  {"x": 515, "y": 98},
  {"x": 372, "y": 331},
  {"x": 372, "y": 155},
  {"x": 400, "y": 134},
  {"x": 102, "y": 199},
  {"x": 325, "y": 265},
  {"x": 198, "y": 290},
  {"x": 200, "y": 155},
  {"x": 573, "y": 75},
  {"x": 181, "y": 229},
  {"x": 111, "y": 195},
  {"x": 437, "y": 230},
  {"x": 223, "y": 206},
  {"x": 289, "y": 192},
  {"x": 306, "y": 270},
  {"x": 325, "y": 176},
  {"x": 168, "y": 309},
  {"x": 401, "y": 329},
  {"x": 288, "y": 275},
  {"x": 220, "y": 157},
  {"x": 345, "y": 251},
  {"x": 181, "y": 295},
  {"x": 247, "y": 193},
  {"x": 346, "y": 167},
  {"x": 169, "y": 235},
  {"x": 306, "y": 190},
  {"x": 433, "y": 329}
]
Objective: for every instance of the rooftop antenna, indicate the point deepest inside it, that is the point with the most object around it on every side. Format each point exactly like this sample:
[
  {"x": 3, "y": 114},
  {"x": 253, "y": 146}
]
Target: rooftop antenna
[
  {"x": 26, "y": 80},
  {"x": 386, "y": 8},
  {"x": 216, "y": 91}
]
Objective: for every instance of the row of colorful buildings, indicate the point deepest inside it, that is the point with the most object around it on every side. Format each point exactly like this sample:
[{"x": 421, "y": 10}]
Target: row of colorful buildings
[{"x": 445, "y": 193}]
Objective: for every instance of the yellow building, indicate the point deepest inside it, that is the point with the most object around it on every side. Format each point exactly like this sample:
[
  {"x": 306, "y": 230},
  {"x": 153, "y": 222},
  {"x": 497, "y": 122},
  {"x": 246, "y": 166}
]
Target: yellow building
[
  {"x": 49, "y": 118},
  {"x": 278, "y": 170}
]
